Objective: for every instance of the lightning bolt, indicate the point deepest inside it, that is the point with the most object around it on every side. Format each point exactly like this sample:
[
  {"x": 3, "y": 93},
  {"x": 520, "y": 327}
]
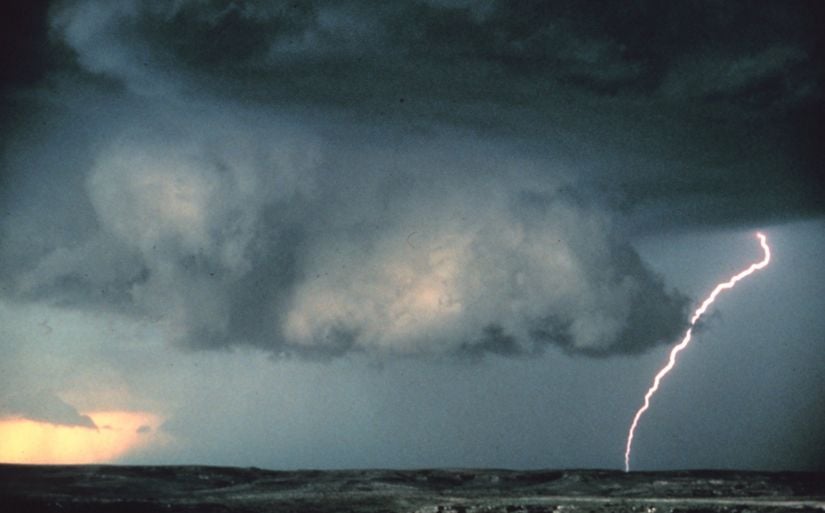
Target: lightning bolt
[{"x": 686, "y": 340}]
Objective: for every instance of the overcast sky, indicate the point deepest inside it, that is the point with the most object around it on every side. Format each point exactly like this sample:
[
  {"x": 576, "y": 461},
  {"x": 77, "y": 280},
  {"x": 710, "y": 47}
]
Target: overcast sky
[{"x": 411, "y": 234}]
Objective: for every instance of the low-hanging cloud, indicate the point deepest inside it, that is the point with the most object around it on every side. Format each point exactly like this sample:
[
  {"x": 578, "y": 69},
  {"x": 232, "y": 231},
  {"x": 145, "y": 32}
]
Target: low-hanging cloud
[
  {"x": 489, "y": 272},
  {"x": 321, "y": 178},
  {"x": 41, "y": 406},
  {"x": 230, "y": 232}
]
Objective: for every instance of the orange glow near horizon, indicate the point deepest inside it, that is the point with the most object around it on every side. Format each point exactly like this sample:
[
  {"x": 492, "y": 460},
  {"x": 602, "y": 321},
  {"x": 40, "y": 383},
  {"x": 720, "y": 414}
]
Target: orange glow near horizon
[{"x": 118, "y": 432}]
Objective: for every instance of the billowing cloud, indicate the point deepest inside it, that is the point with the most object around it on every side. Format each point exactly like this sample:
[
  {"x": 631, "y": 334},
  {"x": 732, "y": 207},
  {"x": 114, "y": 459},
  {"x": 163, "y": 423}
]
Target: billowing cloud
[
  {"x": 681, "y": 115},
  {"x": 518, "y": 269},
  {"x": 269, "y": 235},
  {"x": 418, "y": 179}
]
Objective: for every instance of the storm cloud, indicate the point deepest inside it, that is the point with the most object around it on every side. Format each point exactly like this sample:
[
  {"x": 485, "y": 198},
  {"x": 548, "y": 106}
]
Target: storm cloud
[
  {"x": 42, "y": 406},
  {"x": 425, "y": 179}
]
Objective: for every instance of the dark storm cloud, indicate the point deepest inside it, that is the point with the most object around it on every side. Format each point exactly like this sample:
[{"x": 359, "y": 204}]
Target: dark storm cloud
[
  {"x": 257, "y": 232},
  {"x": 677, "y": 102},
  {"x": 41, "y": 406},
  {"x": 416, "y": 178},
  {"x": 355, "y": 53},
  {"x": 23, "y": 28}
]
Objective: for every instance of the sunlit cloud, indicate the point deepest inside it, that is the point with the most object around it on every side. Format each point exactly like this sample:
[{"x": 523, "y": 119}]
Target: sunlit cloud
[{"x": 118, "y": 433}]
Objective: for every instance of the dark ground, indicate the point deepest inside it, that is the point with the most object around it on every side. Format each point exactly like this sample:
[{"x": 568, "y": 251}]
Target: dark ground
[{"x": 122, "y": 489}]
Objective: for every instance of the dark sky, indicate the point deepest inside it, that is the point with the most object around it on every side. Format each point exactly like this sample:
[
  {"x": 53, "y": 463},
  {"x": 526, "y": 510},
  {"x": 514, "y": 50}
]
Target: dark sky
[{"x": 433, "y": 233}]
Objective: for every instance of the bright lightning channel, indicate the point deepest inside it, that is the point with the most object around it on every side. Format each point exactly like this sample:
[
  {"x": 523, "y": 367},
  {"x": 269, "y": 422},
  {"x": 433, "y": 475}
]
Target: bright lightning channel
[{"x": 686, "y": 340}]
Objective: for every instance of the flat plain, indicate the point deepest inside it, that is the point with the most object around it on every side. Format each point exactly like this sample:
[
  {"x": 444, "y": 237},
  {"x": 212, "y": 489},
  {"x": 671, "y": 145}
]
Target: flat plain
[{"x": 126, "y": 489}]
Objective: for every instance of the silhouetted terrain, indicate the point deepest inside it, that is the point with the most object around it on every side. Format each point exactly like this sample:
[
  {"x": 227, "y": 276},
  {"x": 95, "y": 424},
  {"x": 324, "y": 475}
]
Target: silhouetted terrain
[{"x": 124, "y": 489}]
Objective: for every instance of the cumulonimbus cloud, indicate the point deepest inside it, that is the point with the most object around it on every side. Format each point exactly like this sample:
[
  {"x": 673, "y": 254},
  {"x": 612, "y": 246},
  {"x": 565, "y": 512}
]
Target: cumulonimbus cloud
[
  {"x": 230, "y": 233},
  {"x": 319, "y": 179}
]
